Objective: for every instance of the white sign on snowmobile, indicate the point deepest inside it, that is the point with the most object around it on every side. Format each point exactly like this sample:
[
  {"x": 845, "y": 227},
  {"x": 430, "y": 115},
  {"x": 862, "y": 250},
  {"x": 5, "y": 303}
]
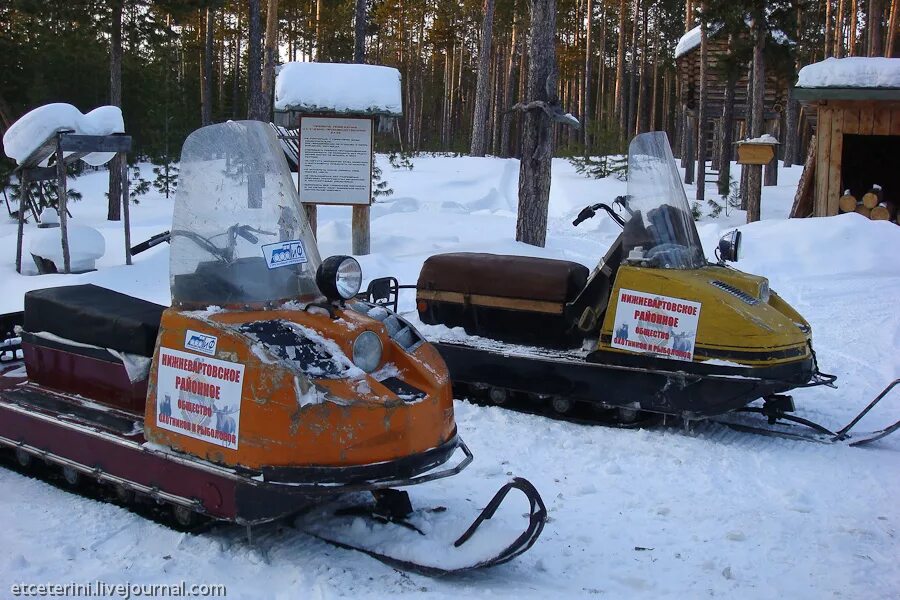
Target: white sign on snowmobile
[
  {"x": 654, "y": 324},
  {"x": 199, "y": 397}
]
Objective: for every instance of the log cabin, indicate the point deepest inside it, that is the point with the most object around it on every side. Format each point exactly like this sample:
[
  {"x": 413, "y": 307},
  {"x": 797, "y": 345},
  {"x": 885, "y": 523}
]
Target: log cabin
[{"x": 687, "y": 64}]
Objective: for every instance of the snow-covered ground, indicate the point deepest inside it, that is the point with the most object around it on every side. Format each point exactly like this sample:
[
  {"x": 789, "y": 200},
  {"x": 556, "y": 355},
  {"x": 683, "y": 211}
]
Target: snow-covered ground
[{"x": 653, "y": 513}]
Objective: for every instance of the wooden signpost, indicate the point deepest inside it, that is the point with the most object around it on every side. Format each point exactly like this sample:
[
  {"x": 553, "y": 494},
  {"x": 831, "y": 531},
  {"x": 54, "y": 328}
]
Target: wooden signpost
[
  {"x": 334, "y": 167},
  {"x": 334, "y": 109}
]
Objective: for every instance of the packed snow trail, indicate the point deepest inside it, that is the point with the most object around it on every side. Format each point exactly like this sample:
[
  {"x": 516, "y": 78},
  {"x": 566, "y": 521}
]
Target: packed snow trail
[{"x": 650, "y": 513}]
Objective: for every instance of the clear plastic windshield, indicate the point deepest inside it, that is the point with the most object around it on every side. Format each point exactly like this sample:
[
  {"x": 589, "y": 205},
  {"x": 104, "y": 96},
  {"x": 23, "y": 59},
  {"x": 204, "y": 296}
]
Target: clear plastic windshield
[
  {"x": 661, "y": 231},
  {"x": 239, "y": 233}
]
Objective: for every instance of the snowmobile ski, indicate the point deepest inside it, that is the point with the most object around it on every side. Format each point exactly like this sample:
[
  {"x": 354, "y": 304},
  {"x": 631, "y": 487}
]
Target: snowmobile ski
[
  {"x": 400, "y": 537},
  {"x": 820, "y": 433}
]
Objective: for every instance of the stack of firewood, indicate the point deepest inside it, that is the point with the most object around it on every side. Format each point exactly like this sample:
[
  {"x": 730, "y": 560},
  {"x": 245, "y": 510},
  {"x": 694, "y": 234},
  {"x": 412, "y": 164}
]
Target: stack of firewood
[{"x": 872, "y": 205}]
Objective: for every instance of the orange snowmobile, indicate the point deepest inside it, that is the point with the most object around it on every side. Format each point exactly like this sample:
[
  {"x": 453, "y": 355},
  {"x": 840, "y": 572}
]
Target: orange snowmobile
[{"x": 261, "y": 391}]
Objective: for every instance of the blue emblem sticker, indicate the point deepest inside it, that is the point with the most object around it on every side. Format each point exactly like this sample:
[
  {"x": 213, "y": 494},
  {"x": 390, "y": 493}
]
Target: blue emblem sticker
[{"x": 282, "y": 254}]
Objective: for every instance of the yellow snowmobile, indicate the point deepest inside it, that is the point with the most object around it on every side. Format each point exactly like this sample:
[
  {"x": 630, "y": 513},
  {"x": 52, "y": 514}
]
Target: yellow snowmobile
[{"x": 654, "y": 328}]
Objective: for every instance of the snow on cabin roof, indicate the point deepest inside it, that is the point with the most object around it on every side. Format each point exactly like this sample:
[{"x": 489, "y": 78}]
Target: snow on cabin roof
[
  {"x": 691, "y": 39},
  {"x": 688, "y": 42},
  {"x": 34, "y": 128},
  {"x": 338, "y": 87},
  {"x": 852, "y": 72}
]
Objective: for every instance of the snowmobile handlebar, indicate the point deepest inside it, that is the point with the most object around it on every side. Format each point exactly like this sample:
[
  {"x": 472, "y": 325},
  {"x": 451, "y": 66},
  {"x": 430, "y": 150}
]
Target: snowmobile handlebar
[
  {"x": 225, "y": 254},
  {"x": 589, "y": 211}
]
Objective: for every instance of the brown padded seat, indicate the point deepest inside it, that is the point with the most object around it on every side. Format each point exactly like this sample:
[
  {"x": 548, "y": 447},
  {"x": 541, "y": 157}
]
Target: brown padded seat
[{"x": 504, "y": 276}]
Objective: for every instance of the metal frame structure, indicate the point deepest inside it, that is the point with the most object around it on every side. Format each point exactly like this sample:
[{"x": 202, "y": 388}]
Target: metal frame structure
[{"x": 68, "y": 147}]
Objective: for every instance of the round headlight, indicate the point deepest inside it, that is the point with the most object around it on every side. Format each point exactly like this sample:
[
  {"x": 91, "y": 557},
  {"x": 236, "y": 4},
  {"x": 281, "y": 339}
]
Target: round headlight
[
  {"x": 339, "y": 277},
  {"x": 367, "y": 351}
]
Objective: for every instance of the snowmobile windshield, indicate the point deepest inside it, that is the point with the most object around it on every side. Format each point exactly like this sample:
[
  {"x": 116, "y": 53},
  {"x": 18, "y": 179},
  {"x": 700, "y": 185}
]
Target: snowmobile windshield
[
  {"x": 661, "y": 231},
  {"x": 239, "y": 233}
]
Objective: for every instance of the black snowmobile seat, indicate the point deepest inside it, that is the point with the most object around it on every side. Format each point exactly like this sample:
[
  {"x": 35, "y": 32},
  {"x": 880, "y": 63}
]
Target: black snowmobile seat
[
  {"x": 519, "y": 277},
  {"x": 90, "y": 314}
]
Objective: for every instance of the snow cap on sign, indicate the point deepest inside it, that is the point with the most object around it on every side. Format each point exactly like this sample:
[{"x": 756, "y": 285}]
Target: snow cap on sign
[
  {"x": 851, "y": 72},
  {"x": 31, "y": 130},
  {"x": 339, "y": 88}
]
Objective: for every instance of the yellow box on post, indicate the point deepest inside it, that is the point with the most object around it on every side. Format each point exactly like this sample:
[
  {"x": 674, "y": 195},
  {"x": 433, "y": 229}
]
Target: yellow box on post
[{"x": 755, "y": 152}]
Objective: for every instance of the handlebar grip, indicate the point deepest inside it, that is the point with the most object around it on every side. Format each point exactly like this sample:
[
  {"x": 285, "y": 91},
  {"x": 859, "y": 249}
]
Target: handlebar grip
[{"x": 584, "y": 215}]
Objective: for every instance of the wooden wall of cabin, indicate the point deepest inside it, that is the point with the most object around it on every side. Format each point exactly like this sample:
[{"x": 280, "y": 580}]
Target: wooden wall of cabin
[
  {"x": 835, "y": 120},
  {"x": 688, "y": 69},
  {"x": 688, "y": 72}
]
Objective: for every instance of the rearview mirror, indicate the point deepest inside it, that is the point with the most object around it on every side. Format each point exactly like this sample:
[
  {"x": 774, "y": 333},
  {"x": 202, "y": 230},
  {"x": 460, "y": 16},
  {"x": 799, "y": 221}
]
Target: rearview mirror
[{"x": 729, "y": 246}]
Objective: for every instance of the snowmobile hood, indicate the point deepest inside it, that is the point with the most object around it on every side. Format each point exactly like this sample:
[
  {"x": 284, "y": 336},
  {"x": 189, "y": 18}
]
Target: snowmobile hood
[{"x": 736, "y": 318}]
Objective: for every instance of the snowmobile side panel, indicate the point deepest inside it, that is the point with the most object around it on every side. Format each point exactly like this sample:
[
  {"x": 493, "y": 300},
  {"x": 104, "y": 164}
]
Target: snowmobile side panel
[
  {"x": 109, "y": 445},
  {"x": 655, "y": 387},
  {"x": 79, "y": 369}
]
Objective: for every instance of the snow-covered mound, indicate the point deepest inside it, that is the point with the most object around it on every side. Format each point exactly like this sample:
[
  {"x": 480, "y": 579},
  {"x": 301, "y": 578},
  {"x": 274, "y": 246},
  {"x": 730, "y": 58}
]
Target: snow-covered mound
[
  {"x": 841, "y": 245},
  {"x": 28, "y": 133},
  {"x": 338, "y": 87},
  {"x": 852, "y": 72},
  {"x": 86, "y": 246}
]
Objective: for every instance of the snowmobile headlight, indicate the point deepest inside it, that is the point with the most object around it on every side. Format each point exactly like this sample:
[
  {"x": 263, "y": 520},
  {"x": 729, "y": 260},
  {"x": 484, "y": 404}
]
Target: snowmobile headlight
[
  {"x": 729, "y": 247},
  {"x": 339, "y": 277},
  {"x": 367, "y": 351},
  {"x": 763, "y": 292}
]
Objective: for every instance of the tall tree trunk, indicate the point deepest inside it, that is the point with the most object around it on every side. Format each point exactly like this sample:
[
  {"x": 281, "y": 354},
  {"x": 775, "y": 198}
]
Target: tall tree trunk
[
  {"x": 257, "y": 109},
  {"x": 631, "y": 123},
  {"x": 600, "y": 113},
  {"x": 829, "y": 30},
  {"x": 270, "y": 55},
  {"x": 319, "y": 30},
  {"x": 206, "y": 65},
  {"x": 893, "y": 29},
  {"x": 586, "y": 104},
  {"x": 236, "y": 86},
  {"x": 839, "y": 30},
  {"x": 482, "y": 87},
  {"x": 791, "y": 127},
  {"x": 643, "y": 112},
  {"x": 220, "y": 67},
  {"x": 873, "y": 24},
  {"x": 702, "y": 117},
  {"x": 359, "y": 33},
  {"x": 114, "y": 205},
  {"x": 619, "y": 108},
  {"x": 534, "y": 168},
  {"x": 754, "y": 174},
  {"x": 654, "y": 101},
  {"x": 851, "y": 44},
  {"x": 511, "y": 76},
  {"x": 726, "y": 137}
]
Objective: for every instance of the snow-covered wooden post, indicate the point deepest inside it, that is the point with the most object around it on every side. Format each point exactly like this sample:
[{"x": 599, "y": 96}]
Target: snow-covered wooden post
[
  {"x": 123, "y": 161},
  {"x": 334, "y": 108},
  {"x": 61, "y": 196}
]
